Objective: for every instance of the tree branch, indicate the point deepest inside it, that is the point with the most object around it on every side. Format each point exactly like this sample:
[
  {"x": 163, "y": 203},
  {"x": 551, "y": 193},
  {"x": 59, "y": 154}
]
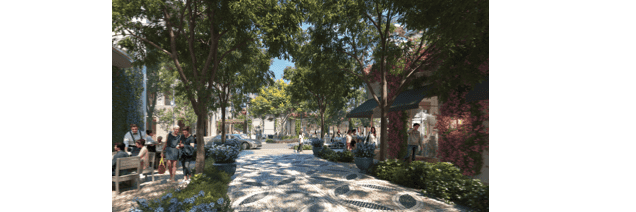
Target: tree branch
[{"x": 150, "y": 42}]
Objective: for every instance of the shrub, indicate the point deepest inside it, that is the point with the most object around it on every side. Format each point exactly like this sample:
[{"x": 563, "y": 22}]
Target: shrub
[
  {"x": 224, "y": 153},
  {"x": 330, "y": 155},
  {"x": 364, "y": 150},
  {"x": 317, "y": 142},
  {"x": 305, "y": 147},
  {"x": 441, "y": 180},
  {"x": 269, "y": 141},
  {"x": 206, "y": 192}
]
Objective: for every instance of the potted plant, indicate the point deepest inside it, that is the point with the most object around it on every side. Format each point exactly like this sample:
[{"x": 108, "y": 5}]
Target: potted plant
[
  {"x": 317, "y": 146},
  {"x": 225, "y": 157},
  {"x": 364, "y": 154}
]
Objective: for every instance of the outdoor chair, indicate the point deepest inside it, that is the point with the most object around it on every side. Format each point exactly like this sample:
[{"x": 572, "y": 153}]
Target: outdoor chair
[
  {"x": 127, "y": 163},
  {"x": 150, "y": 169}
]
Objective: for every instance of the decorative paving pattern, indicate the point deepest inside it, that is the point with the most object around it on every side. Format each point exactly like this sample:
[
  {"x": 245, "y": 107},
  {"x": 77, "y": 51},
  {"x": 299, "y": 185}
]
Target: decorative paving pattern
[
  {"x": 302, "y": 182},
  {"x": 407, "y": 201},
  {"x": 368, "y": 205},
  {"x": 352, "y": 176}
]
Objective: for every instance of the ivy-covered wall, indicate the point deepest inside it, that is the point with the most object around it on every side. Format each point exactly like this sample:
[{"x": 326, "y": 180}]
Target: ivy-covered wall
[{"x": 126, "y": 103}]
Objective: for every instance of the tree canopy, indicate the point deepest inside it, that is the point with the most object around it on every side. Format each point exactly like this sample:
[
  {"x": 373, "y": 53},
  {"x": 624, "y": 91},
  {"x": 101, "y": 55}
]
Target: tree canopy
[{"x": 193, "y": 34}]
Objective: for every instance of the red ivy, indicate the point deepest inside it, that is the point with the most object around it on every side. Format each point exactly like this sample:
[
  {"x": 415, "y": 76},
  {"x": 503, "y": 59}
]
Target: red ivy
[{"x": 463, "y": 144}]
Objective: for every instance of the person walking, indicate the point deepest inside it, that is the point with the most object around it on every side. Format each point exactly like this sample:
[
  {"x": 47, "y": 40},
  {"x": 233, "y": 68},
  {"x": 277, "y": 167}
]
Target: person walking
[
  {"x": 188, "y": 139},
  {"x": 129, "y": 140},
  {"x": 415, "y": 140},
  {"x": 171, "y": 152},
  {"x": 372, "y": 137},
  {"x": 348, "y": 140},
  {"x": 300, "y": 143}
]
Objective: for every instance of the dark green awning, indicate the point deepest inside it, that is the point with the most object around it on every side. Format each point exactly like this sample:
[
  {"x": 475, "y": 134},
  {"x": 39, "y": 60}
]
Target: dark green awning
[
  {"x": 409, "y": 99},
  {"x": 364, "y": 110}
]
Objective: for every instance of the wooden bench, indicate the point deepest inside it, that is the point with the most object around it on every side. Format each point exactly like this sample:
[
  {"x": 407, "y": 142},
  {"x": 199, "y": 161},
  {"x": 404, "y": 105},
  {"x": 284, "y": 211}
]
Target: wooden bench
[
  {"x": 150, "y": 169},
  {"x": 127, "y": 163}
]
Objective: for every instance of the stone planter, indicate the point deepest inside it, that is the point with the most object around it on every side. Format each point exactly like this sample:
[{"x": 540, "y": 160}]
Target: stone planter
[
  {"x": 316, "y": 150},
  {"x": 363, "y": 164},
  {"x": 229, "y": 168}
]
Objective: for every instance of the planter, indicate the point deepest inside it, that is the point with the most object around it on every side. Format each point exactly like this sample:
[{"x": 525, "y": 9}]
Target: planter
[
  {"x": 316, "y": 150},
  {"x": 363, "y": 164},
  {"x": 229, "y": 168}
]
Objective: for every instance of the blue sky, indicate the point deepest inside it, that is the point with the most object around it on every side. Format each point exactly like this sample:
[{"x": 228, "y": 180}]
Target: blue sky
[{"x": 279, "y": 65}]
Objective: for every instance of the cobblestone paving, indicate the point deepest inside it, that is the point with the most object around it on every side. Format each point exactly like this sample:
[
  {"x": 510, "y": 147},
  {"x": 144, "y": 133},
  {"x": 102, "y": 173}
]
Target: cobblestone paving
[{"x": 302, "y": 182}]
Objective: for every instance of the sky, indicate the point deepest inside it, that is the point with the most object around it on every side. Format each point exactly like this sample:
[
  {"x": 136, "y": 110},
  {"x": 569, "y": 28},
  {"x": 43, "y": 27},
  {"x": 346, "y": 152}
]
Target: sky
[{"x": 279, "y": 65}]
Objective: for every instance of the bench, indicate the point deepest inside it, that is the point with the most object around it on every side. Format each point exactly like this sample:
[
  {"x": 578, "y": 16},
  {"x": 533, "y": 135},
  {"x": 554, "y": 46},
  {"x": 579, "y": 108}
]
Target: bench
[
  {"x": 150, "y": 169},
  {"x": 127, "y": 163}
]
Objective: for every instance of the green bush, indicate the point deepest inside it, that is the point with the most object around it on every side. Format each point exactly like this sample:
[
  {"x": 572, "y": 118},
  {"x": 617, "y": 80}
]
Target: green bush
[
  {"x": 204, "y": 190},
  {"x": 440, "y": 180},
  {"x": 330, "y": 155},
  {"x": 269, "y": 141},
  {"x": 305, "y": 147}
]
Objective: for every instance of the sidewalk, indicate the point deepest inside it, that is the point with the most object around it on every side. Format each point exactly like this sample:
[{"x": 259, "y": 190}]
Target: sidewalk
[{"x": 302, "y": 182}]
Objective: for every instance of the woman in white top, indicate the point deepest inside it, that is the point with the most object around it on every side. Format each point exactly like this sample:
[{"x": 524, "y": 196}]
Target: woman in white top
[
  {"x": 300, "y": 143},
  {"x": 349, "y": 138},
  {"x": 143, "y": 153},
  {"x": 372, "y": 138}
]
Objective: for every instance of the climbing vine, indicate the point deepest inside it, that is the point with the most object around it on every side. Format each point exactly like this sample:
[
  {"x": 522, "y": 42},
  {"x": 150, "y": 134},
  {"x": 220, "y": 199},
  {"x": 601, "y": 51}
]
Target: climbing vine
[
  {"x": 463, "y": 137},
  {"x": 127, "y": 85}
]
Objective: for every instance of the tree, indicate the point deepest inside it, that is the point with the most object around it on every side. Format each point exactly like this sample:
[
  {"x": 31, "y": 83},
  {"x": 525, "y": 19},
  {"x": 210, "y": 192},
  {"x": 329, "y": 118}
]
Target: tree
[
  {"x": 276, "y": 100},
  {"x": 322, "y": 84},
  {"x": 192, "y": 34},
  {"x": 242, "y": 73},
  {"x": 365, "y": 32}
]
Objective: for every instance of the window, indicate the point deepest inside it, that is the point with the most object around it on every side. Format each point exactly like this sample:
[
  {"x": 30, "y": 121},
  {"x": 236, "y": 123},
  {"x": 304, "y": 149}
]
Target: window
[{"x": 166, "y": 99}]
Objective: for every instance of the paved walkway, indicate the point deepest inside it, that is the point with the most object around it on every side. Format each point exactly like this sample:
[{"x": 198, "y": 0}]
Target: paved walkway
[{"x": 301, "y": 182}]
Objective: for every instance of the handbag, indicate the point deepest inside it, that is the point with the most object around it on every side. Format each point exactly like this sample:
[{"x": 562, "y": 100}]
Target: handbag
[
  {"x": 187, "y": 151},
  {"x": 162, "y": 166}
]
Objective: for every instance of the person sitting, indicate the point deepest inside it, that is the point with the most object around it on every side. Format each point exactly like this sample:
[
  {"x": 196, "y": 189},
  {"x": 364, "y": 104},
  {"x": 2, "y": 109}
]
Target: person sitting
[
  {"x": 143, "y": 152},
  {"x": 150, "y": 144},
  {"x": 119, "y": 148}
]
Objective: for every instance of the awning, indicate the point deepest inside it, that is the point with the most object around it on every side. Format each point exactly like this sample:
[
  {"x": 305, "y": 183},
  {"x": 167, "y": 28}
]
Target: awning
[
  {"x": 409, "y": 99},
  {"x": 480, "y": 92},
  {"x": 364, "y": 110},
  {"x": 120, "y": 59}
]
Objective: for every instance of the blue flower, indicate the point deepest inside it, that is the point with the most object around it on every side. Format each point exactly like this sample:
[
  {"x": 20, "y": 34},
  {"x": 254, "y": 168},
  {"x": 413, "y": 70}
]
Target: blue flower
[
  {"x": 173, "y": 200},
  {"x": 220, "y": 201},
  {"x": 189, "y": 200},
  {"x": 159, "y": 209},
  {"x": 201, "y": 193},
  {"x": 211, "y": 205}
]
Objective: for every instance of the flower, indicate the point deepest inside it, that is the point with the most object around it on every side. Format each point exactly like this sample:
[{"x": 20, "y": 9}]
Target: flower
[
  {"x": 224, "y": 153},
  {"x": 159, "y": 209},
  {"x": 173, "y": 200},
  {"x": 189, "y": 200},
  {"x": 211, "y": 205},
  {"x": 201, "y": 193},
  {"x": 220, "y": 201}
]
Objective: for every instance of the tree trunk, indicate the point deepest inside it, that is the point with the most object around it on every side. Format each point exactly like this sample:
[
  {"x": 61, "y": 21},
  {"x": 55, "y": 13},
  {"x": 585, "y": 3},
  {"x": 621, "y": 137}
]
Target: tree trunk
[
  {"x": 200, "y": 160},
  {"x": 322, "y": 124},
  {"x": 222, "y": 124},
  {"x": 384, "y": 131}
]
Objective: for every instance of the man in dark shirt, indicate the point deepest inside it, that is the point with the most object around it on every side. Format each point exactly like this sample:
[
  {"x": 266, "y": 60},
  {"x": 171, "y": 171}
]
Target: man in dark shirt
[{"x": 119, "y": 148}]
